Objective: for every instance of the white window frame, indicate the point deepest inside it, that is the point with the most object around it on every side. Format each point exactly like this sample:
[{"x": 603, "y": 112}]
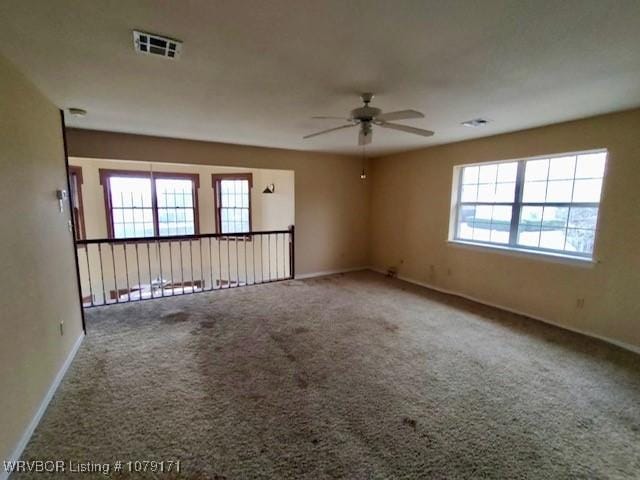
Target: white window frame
[{"x": 517, "y": 204}]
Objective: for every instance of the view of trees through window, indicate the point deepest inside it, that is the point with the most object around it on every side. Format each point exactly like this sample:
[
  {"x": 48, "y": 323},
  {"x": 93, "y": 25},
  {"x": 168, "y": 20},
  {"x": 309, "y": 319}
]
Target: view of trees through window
[{"x": 547, "y": 204}]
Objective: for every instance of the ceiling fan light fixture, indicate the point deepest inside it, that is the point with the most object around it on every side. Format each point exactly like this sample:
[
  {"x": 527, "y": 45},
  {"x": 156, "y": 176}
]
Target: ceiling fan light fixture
[{"x": 475, "y": 123}]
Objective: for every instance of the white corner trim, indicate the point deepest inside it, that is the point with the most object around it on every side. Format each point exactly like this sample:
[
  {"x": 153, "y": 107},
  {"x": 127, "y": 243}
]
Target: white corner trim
[
  {"x": 330, "y": 272},
  {"x": 626, "y": 346},
  {"x": 26, "y": 436}
]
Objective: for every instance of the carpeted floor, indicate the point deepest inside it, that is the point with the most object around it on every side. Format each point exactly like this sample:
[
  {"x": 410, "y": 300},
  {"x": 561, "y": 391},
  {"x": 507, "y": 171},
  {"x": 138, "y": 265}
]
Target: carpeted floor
[{"x": 349, "y": 376}]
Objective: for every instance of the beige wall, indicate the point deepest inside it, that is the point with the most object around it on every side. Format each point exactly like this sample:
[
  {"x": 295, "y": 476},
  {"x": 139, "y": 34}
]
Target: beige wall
[
  {"x": 37, "y": 279},
  {"x": 331, "y": 201},
  {"x": 410, "y": 204}
]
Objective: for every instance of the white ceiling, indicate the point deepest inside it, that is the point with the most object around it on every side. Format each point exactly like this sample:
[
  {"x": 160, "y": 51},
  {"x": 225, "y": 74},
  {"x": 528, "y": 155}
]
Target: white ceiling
[{"x": 253, "y": 72}]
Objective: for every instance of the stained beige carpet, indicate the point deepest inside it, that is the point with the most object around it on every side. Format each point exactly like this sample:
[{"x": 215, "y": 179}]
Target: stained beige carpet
[{"x": 350, "y": 376}]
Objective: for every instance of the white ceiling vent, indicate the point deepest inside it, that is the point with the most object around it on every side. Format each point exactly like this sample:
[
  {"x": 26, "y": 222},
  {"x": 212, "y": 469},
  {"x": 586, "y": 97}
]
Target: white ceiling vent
[
  {"x": 476, "y": 122},
  {"x": 152, "y": 44}
]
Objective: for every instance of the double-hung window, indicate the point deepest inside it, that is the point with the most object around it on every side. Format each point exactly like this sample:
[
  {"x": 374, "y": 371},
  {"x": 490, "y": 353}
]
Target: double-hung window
[
  {"x": 543, "y": 204},
  {"x": 145, "y": 204},
  {"x": 232, "y": 193}
]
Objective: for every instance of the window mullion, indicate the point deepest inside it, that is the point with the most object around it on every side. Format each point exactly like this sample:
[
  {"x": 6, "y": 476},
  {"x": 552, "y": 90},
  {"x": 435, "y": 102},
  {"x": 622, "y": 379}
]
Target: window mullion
[
  {"x": 154, "y": 206},
  {"x": 517, "y": 204}
]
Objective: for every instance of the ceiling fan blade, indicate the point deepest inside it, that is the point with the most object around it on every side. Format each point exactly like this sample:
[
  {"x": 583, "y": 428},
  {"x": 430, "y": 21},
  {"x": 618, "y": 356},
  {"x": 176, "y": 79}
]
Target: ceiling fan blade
[
  {"x": 399, "y": 115},
  {"x": 365, "y": 138},
  {"x": 323, "y": 117},
  {"x": 406, "y": 128},
  {"x": 329, "y": 130}
]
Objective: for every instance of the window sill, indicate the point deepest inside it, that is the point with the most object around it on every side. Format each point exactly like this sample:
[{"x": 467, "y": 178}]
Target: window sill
[{"x": 523, "y": 252}]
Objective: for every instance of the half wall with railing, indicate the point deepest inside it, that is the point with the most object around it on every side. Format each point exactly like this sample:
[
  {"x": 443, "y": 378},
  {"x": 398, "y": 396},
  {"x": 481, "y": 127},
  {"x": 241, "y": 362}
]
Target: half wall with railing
[{"x": 133, "y": 269}]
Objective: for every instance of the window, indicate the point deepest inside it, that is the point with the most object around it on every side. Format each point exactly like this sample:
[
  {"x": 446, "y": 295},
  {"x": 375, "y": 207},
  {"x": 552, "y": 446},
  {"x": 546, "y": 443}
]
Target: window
[
  {"x": 548, "y": 205},
  {"x": 77, "y": 205},
  {"x": 232, "y": 194},
  {"x": 176, "y": 207},
  {"x": 145, "y": 204}
]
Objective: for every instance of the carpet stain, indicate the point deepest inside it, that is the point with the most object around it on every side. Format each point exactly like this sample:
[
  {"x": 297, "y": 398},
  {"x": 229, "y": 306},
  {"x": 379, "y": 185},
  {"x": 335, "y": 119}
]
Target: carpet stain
[
  {"x": 175, "y": 316},
  {"x": 409, "y": 422},
  {"x": 391, "y": 327},
  {"x": 300, "y": 330},
  {"x": 301, "y": 380}
]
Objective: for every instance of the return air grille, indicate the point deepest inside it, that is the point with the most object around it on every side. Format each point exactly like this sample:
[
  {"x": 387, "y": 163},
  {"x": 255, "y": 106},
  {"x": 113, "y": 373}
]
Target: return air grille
[{"x": 152, "y": 44}]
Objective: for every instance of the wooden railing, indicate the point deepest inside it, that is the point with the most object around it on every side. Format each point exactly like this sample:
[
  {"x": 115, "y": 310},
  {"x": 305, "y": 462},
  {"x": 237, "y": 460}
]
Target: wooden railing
[{"x": 132, "y": 269}]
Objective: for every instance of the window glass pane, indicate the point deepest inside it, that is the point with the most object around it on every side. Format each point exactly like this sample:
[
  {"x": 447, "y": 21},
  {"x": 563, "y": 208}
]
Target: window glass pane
[
  {"x": 559, "y": 190},
  {"x": 536, "y": 170},
  {"x": 469, "y": 193},
  {"x": 552, "y": 239},
  {"x": 591, "y": 165},
  {"x": 501, "y": 223},
  {"x": 465, "y": 222},
  {"x": 587, "y": 190},
  {"x": 486, "y": 192},
  {"x": 130, "y": 191},
  {"x": 505, "y": 192},
  {"x": 554, "y": 223},
  {"x": 482, "y": 223},
  {"x": 470, "y": 175},
  {"x": 579, "y": 241},
  {"x": 534, "y": 192},
  {"x": 562, "y": 168},
  {"x": 529, "y": 226},
  {"x": 583, "y": 217},
  {"x": 488, "y": 173},
  {"x": 507, "y": 172}
]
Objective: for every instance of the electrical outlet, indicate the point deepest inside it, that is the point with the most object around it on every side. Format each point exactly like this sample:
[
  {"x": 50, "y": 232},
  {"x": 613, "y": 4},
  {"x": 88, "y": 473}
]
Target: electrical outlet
[
  {"x": 62, "y": 327},
  {"x": 580, "y": 303}
]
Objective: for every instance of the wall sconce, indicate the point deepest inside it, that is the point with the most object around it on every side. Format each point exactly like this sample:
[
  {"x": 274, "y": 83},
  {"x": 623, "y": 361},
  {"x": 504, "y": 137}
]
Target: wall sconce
[{"x": 269, "y": 188}]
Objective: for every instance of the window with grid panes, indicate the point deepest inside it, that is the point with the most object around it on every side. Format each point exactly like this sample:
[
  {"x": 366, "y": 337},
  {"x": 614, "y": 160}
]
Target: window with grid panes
[
  {"x": 145, "y": 204},
  {"x": 176, "y": 206},
  {"x": 544, "y": 204},
  {"x": 233, "y": 202}
]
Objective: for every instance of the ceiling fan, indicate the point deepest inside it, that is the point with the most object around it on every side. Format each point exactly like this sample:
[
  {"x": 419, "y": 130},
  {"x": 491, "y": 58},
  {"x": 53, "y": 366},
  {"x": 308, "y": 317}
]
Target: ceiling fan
[{"x": 365, "y": 117}]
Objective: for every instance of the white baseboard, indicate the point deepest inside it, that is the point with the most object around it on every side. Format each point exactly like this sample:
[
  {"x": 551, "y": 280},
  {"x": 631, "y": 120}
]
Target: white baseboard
[
  {"x": 26, "y": 436},
  {"x": 329, "y": 272},
  {"x": 626, "y": 346}
]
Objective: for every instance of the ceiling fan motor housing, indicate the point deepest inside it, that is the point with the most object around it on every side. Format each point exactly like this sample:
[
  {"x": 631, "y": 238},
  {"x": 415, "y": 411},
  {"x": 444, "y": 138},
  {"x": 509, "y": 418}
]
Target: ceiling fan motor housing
[{"x": 365, "y": 114}]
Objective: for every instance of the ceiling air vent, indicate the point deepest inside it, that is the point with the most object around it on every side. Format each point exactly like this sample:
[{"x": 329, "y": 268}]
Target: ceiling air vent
[
  {"x": 476, "y": 122},
  {"x": 153, "y": 44}
]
